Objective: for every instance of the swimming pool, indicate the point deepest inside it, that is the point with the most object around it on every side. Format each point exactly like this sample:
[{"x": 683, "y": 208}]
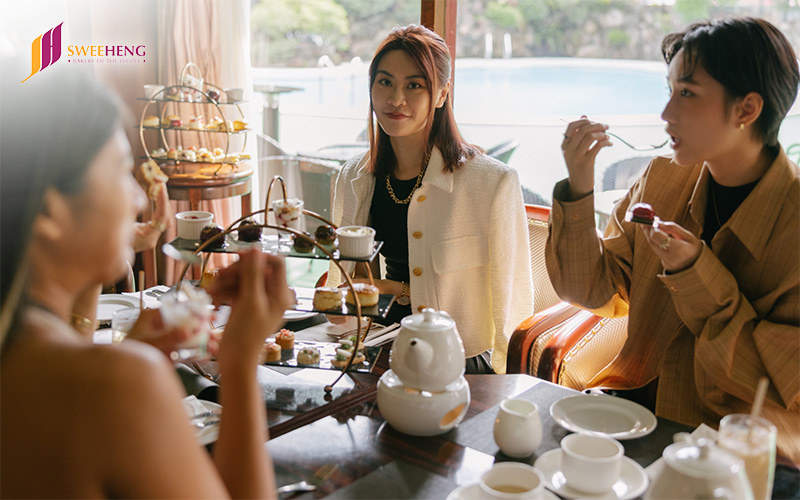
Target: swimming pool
[{"x": 528, "y": 99}]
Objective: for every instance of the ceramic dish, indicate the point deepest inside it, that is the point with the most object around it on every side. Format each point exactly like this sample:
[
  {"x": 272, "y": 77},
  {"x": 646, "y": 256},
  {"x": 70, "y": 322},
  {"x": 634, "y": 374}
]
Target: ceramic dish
[
  {"x": 108, "y": 304},
  {"x": 292, "y": 315},
  {"x": 632, "y": 480},
  {"x": 473, "y": 492},
  {"x": 606, "y": 415}
]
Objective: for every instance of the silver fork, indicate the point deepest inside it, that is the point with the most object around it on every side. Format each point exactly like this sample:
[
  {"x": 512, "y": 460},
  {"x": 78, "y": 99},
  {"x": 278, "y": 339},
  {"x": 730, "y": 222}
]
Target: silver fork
[{"x": 320, "y": 476}]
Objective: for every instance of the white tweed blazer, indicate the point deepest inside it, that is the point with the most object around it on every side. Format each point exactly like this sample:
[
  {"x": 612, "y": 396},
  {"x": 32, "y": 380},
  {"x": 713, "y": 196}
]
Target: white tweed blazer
[{"x": 472, "y": 259}]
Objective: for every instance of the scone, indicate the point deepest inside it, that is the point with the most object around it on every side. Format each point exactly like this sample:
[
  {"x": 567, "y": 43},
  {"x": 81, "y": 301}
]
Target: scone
[
  {"x": 308, "y": 356},
  {"x": 285, "y": 339},
  {"x": 151, "y": 121},
  {"x": 271, "y": 352},
  {"x": 367, "y": 294},
  {"x": 328, "y": 299}
]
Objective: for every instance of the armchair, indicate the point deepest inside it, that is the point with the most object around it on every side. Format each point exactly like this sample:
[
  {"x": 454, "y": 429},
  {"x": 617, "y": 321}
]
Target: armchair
[{"x": 561, "y": 342}]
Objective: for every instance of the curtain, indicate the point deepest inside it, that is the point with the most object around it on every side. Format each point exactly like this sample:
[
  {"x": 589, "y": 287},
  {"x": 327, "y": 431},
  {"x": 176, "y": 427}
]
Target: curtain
[{"x": 214, "y": 35}]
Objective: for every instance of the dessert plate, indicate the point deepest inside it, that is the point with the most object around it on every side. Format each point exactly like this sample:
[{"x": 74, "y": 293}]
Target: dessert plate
[
  {"x": 293, "y": 315},
  {"x": 473, "y": 492},
  {"x": 606, "y": 415},
  {"x": 209, "y": 432},
  {"x": 632, "y": 479},
  {"x": 110, "y": 303}
]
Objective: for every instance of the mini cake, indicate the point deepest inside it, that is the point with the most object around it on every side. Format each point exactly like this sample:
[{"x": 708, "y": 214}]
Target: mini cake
[
  {"x": 167, "y": 120},
  {"x": 326, "y": 236},
  {"x": 285, "y": 339},
  {"x": 232, "y": 158},
  {"x": 641, "y": 213},
  {"x": 176, "y": 123},
  {"x": 151, "y": 121},
  {"x": 271, "y": 352},
  {"x": 302, "y": 245},
  {"x": 189, "y": 155},
  {"x": 172, "y": 154},
  {"x": 328, "y": 299},
  {"x": 209, "y": 232},
  {"x": 367, "y": 294},
  {"x": 197, "y": 123},
  {"x": 249, "y": 230},
  {"x": 308, "y": 356},
  {"x": 239, "y": 125},
  {"x": 215, "y": 124}
]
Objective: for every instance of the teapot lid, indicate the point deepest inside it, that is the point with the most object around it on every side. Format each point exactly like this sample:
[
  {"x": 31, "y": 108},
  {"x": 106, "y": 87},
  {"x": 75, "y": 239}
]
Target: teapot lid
[
  {"x": 701, "y": 458},
  {"x": 429, "y": 320}
]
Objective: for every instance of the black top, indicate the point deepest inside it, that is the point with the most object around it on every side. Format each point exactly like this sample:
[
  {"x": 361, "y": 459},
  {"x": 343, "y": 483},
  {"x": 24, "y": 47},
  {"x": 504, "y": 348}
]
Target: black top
[
  {"x": 722, "y": 203},
  {"x": 390, "y": 221}
]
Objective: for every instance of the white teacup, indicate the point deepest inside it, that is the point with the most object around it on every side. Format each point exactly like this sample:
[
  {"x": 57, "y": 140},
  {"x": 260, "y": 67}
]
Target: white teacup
[
  {"x": 356, "y": 241},
  {"x": 591, "y": 464},
  {"x": 191, "y": 223},
  {"x": 511, "y": 481},
  {"x": 151, "y": 91}
]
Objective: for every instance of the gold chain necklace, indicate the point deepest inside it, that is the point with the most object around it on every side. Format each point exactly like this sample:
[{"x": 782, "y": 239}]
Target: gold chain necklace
[
  {"x": 714, "y": 203},
  {"x": 419, "y": 180}
]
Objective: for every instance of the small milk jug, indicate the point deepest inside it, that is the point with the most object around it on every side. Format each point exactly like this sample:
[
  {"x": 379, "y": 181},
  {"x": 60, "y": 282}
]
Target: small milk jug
[{"x": 518, "y": 429}]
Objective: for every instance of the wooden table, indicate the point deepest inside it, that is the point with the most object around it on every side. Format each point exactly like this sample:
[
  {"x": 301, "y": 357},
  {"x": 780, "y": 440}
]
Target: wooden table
[{"x": 309, "y": 429}]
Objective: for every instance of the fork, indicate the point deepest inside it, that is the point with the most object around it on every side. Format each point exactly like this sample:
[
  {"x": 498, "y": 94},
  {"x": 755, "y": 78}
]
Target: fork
[
  {"x": 320, "y": 476},
  {"x": 652, "y": 147}
]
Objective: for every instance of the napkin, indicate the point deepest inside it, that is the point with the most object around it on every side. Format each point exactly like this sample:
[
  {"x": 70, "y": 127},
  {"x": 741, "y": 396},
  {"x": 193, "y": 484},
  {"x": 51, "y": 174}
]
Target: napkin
[
  {"x": 193, "y": 406},
  {"x": 702, "y": 431}
]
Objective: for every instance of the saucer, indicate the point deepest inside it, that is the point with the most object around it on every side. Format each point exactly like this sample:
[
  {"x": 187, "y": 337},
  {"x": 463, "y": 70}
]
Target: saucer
[
  {"x": 632, "y": 480},
  {"x": 607, "y": 415},
  {"x": 473, "y": 492}
]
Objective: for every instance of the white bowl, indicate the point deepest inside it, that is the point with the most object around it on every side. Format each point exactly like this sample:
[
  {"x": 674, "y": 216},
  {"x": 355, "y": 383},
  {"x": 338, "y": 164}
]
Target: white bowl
[
  {"x": 192, "y": 222},
  {"x": 234, "y": 95},
  {"x": 356, "y": 241}
]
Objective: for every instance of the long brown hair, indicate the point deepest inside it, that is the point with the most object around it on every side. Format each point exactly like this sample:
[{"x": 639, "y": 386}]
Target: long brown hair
[{"x": 430, "y": 53}]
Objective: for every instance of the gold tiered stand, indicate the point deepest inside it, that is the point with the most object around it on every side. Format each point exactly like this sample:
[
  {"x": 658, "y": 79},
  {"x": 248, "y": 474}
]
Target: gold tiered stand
[{"x": 210, "y": 243}]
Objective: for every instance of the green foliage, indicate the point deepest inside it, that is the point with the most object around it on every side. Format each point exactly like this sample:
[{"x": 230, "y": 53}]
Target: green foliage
[
  {"x": 692, "y": 10},
  {"x": 618, "y": 38},
  {"x": 504, "y": 15}
]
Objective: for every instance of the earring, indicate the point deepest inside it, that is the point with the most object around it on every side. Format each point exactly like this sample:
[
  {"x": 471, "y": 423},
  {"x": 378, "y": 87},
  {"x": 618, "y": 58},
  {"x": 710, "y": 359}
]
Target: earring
[{"x": 741, "y": 126}]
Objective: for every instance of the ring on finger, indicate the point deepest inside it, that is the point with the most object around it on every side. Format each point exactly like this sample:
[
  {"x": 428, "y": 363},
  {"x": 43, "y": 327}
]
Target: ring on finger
[{"x": 665, "y": 244}]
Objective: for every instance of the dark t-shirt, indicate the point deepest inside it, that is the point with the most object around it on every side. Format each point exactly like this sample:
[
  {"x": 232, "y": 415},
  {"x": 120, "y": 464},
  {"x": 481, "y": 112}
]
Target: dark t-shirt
[{"x": 722, "y": 203}]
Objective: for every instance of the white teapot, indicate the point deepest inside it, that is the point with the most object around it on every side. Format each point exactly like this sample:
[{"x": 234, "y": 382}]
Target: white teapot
[
  {"x": 428, "y": 353},
  {"x": 699, "y": 469}
]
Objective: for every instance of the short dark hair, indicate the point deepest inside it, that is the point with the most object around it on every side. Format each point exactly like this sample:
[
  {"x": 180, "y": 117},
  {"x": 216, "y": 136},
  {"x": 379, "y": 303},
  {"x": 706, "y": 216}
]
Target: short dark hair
[
  {"x": 744, "y": 54},
  {"x": 431, "y": 54}
]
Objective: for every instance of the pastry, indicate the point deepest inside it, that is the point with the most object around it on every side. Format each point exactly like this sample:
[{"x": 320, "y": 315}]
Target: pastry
[
  {"x": 151, "y": 121},
  {"x": 197, "y": 123},
  {"x": 343, "y": 355},
  {"x": 641, "y": 213},
  {"x": 213, "y": 94},
  {"x": 204, "y": 155},
  {"x": 285, "y": 339},
  {"x": 209, "y": 232},
  {"x": 167, "y": 120},
  {"x": 151, "y": 178},
  {"x": 208, "y": 277},
  {"x": 176, "y": 123},
  {"x": 249, "y": 230},
  {"x": 367, "y": 294},
  {"x": 232, "y": 158},
  {"x": 271, "y": 352},
  {"x": 172, "y": 154},
  {"x": 301, "y": 244},
  {"x": 308, "y": 356},
  {"x": 239, "y": 125},
  {"x": 174, "y": 94},
  {"x": 326, "y": 236},
  {"x": 215, "y": 124},
  {"x": 327, "y": 299},
  {"x": 189, "y": 155},
  {"x": 159, "y": 153}
]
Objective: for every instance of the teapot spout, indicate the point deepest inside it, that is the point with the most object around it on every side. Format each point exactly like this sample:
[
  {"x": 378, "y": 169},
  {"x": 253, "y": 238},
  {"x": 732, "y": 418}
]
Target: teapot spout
[{"x": 419, "y": 355}]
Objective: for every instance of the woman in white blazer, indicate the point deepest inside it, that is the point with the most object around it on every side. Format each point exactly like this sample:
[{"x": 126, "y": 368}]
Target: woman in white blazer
[{"x": 451, "y": 218}]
